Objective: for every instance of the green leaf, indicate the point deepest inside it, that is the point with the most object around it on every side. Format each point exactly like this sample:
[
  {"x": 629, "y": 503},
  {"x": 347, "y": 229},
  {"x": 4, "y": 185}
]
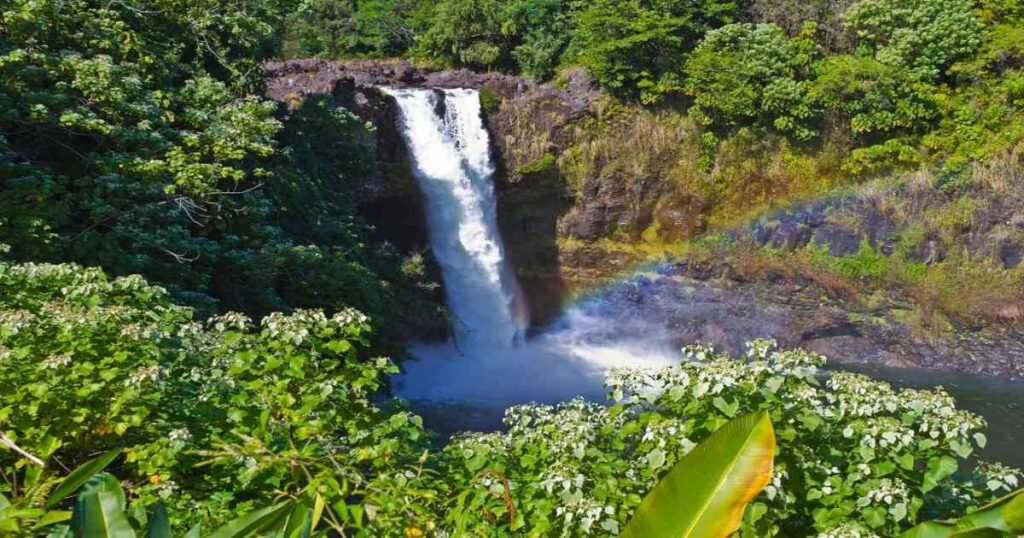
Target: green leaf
[
  {"x": 100, "y": 513},
  {"x": 195, "y": 531},
  {"x": 255, "y": 522},
  {"x": 105, "y": 482},
  {"x": 705, "y": 494},
  {"x": 159, "y": 524},
  {"x": 656, "y": 458},
  {"x": 728, "y": 408},
  {"x": 52, "y": 517},
  {"x": 979, "y": 533},
  {"x": 80, "y": 476},
  {"x": 60, "y": 531},
  {"x": 938, "y": 470},
  {"x": 998, "y": 518},
  {"x": 318, "y": 509}
]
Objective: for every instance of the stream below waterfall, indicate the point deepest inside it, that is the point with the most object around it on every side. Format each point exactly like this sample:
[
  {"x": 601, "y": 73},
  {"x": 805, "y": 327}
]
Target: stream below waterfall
[{"x": 490, "y": 365}]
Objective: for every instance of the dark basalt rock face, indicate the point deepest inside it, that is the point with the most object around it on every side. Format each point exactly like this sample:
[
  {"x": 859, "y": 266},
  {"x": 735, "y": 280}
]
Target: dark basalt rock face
[
  {"x": 710, "y": 303},
  {"x": 818, "y": 223},
  {"x": 994, "y": 227}
]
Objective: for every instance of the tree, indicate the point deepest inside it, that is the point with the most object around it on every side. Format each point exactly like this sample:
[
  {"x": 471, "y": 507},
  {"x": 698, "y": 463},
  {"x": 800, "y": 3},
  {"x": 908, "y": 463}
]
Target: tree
[
  {"x": 543, "y": 29},
  {"x": 747, "y": 73},
  {"x": 350, "y": 28},
  {"x": 637, "y": 47},
  {"x": 467, "y": 32},
  {"x": 921, "y": 36}
]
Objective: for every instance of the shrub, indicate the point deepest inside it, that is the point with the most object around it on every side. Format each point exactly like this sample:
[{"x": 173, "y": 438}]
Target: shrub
[
  {"x": 215, "y": 417},
  {"x": 850, "y": 449}
]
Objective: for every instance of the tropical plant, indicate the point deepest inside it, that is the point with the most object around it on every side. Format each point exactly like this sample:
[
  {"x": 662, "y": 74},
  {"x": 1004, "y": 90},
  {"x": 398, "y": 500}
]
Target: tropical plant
[
  {"x": 216, "y": 417},
  {"x": 1003, "y": 517},
  {"x": 476, "y": 40},
  {"x": 706, "y": 492},
  {"x": 100, "y": 510},
  {"x": 33, "y": 504}
]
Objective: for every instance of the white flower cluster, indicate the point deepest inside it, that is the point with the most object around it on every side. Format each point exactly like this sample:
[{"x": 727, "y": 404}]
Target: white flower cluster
[
  {"x": 887, "y": 491},
  {"x": 231, "y": 321},
  {"x": 349, "y": 316},
  {"x": 13, "y": 321},
  {"x": 932, "y": 412},
  {"x": 999, "y": 478},
  {"x": 848, "y": 530},
  {"x": 144, "y": 373},
  {"x": 56, "y": 361},
  {"x": 179, "y": 437},
  {"x": 884, "y": 432},
  {"x": 295, "y": 327},
  {"x": 566, "y": 431}
]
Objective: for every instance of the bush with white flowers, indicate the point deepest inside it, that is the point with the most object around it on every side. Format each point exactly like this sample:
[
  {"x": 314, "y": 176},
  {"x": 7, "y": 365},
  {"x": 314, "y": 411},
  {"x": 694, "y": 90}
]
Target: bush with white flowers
[{"x": 856, "y": 457}]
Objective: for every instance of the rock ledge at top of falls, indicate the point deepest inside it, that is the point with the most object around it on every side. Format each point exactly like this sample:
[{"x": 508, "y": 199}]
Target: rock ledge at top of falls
[
  {"x": 297, "y": 78},
  {"x": 291, "y": 81}
]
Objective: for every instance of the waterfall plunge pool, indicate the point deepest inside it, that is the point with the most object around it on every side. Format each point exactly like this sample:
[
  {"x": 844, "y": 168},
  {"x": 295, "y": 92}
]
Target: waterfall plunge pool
[{"x": 466, "y": 385}]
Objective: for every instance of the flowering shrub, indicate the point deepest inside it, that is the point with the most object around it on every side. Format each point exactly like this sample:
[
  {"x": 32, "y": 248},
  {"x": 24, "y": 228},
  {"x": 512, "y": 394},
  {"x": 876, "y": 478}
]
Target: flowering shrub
[
  {"x": 217, "y": 417},
  {"x": 856, "y": 457}
]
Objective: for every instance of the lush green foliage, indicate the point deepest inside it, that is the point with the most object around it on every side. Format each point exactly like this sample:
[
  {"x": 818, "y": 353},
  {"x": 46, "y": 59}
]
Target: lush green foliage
[
  {"x": 214, "y": 416},
  {"x": 638, "y": 47},
  {"x": 921, "y": 36},
  {"x": 889, "y": 83},
  {"x": 128, "y": 142},
  {"x": 747, "y": 72},
  {"x": 132, "y": 138},
  {"x": 345, "y": 28}
]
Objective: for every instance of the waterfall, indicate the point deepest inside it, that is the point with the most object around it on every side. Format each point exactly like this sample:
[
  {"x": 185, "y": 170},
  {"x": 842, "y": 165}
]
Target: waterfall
[
  {"x": 488, "y": 366},
  {"x": 450, "y": 152}
]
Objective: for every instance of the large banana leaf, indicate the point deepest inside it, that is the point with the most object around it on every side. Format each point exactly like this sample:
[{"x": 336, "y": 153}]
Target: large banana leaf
[
  {"x": 705, "y": 494},
  {"x": 1003, "y": 517},
  {"x": 100, "y": 513}
]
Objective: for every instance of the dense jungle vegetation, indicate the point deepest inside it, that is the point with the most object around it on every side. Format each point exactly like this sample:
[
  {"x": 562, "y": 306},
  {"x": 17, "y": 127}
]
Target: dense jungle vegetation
[{"x": 244, "y": 366}]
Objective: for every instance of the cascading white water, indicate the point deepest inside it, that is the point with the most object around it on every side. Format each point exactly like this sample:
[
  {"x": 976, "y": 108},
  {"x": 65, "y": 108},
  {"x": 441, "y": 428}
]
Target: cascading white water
[
  {"x": 451, "y": 160},
  {"x": 489, "y": 365}
]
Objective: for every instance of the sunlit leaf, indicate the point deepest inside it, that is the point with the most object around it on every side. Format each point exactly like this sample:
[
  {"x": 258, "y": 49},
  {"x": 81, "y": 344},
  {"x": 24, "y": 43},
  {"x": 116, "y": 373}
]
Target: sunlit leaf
[{"x": 705, "y": 494}]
